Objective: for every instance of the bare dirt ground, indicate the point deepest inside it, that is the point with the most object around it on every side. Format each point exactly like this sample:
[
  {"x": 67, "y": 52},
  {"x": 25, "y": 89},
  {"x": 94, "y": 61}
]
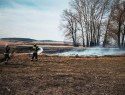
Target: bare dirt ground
[{"x": 62, "y": 75}]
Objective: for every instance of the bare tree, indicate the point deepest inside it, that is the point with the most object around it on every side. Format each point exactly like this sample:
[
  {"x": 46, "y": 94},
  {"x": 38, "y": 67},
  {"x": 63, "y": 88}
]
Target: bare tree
[
  {"x": 69, "y": 26},
  {"x": 118, "y": 11},
  {"x": 79, "y": 18},
  {"x": 106, "y": 33},
  {"x": 88, "y": 18}
]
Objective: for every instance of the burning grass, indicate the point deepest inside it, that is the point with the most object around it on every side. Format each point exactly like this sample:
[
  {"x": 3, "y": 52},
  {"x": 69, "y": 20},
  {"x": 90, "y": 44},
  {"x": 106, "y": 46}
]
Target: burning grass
[{"x": 59, "y": 75}]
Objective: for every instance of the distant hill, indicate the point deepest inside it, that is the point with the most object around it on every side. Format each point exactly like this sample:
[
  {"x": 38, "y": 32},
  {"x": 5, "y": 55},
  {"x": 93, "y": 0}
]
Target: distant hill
[
  {"x": 26, "y": 39},
  {"x": 18, "y": 39},
  {"x": 48, "y": 41},
  {"x": 3, "y": 43}
]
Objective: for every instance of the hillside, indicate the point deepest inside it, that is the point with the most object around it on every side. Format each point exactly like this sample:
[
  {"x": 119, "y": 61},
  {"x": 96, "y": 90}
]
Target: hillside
[
  {"x": 17, "y": 39},
  {"x": 48, "y": 41},
  {"x": 2, "y": 43},
  {"x": 26, "y": 39}
]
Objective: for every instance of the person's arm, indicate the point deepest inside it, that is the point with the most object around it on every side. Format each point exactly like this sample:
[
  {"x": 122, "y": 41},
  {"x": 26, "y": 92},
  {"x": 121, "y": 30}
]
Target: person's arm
[
  {"x": 9, "y": 49},
  {"x": 4, "y": 51},
  {"x": 37, "y": 48}
]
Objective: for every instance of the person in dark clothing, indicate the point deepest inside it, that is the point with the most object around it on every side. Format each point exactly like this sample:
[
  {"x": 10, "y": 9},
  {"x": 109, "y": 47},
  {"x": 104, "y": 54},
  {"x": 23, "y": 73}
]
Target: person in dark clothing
[
  {"x": 35, "y": 52},
  {"x": 6, "y": 53}
]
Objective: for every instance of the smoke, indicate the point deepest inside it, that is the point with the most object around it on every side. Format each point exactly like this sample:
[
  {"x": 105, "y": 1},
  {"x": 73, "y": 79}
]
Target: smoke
[{"x": 94, "y": 52}]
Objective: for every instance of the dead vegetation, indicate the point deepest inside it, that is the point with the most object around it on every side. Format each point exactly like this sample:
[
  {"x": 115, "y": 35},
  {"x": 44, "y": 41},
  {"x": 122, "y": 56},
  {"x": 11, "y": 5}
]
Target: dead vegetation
[
  {"x": 62, "y": 75},
  {"x": 2, "y": 43}
]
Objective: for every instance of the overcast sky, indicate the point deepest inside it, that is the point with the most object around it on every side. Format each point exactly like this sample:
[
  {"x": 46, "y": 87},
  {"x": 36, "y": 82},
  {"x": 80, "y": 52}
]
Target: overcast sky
[{"x": 37, "y": 19}]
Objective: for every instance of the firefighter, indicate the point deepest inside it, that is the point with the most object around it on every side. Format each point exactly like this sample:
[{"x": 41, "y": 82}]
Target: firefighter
[
  {"x": 35, "y": 47},
  {"x": 6, "y": 53}
]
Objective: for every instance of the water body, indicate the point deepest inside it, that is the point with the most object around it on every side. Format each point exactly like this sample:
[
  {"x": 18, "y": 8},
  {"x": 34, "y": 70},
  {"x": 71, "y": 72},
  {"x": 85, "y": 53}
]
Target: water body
[{"x": 94, "y": 52}]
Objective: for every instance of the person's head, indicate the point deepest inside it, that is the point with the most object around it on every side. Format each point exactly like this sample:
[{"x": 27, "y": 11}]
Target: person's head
[
  {"x": 34, "y": 44},
  {"x": 6, "y": 45}
]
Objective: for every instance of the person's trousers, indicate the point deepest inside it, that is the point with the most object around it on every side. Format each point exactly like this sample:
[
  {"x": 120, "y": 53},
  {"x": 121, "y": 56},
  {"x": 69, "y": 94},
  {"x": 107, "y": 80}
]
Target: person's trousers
[
  {"x": 6, "y": 57},
  {"x": 34, "y": 55}
]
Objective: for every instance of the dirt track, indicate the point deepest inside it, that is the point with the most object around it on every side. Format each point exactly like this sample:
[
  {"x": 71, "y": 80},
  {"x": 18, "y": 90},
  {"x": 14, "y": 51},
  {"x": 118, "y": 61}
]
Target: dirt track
[{"x": 63, "y": 75}]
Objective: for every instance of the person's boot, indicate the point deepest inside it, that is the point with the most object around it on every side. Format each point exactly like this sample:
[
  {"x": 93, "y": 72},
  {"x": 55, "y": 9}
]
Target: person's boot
[
  {"x": 31, "y": 59},
  {"x": 36, "y": 59}
]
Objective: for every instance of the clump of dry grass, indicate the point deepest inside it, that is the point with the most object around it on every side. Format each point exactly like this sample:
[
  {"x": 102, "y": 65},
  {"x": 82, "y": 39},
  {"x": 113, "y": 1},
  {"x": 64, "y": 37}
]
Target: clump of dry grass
[{"x": 76, "y": 56}]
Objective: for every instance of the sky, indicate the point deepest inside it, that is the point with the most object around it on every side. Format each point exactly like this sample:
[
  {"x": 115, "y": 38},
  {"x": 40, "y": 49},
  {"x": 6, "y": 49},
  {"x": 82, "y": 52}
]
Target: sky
[{"x": 36, "y": 19}]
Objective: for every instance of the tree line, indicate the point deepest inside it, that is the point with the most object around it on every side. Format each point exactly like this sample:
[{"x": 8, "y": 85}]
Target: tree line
[{"x": 94, "y": 22}]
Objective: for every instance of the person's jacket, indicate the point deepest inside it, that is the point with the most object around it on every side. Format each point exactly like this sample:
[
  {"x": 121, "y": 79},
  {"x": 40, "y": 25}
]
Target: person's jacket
[
  {"x": 6, "y": 50},
  {"x": 35, "y": 49}
]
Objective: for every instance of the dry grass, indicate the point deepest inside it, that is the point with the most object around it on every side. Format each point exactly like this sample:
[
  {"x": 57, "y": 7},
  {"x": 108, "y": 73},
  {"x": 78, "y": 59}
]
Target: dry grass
[
  {"x": 49, "y": 43},
  {"x": 62, "y": 75},
  {"x": 2, "y": 43}
]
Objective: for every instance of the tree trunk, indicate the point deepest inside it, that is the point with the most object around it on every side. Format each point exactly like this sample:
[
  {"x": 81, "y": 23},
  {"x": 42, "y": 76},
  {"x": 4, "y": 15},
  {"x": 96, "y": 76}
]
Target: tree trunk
[
  {"x": 105, "y": 37},
  {"x": 91, "y": 42},
  {"x": 123, "y": 36},
  {"x": 73, "y": 39},
  {"x": 122, "y": 41},
  {"x": 82, "y": 37},
  {"x": 98, "y": 38},
  {"x": 104, "y": 42},
  {"x": 87, "y": 41},
  {"x": 119, "y": 29}
]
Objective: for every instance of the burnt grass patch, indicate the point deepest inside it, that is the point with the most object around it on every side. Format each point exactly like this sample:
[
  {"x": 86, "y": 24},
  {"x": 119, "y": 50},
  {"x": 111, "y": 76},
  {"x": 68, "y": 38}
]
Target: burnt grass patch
[{"x": 62, "y": 75}]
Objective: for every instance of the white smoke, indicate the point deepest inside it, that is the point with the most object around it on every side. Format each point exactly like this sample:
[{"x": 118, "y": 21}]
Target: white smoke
[{"x": 94, "y": 52}]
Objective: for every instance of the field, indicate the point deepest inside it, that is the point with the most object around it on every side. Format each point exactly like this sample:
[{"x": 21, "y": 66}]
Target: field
[
  {"x": 62, "y": 75},
  {"x": 2, "y": 43},
  {"x": 59, "y": 75}
]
